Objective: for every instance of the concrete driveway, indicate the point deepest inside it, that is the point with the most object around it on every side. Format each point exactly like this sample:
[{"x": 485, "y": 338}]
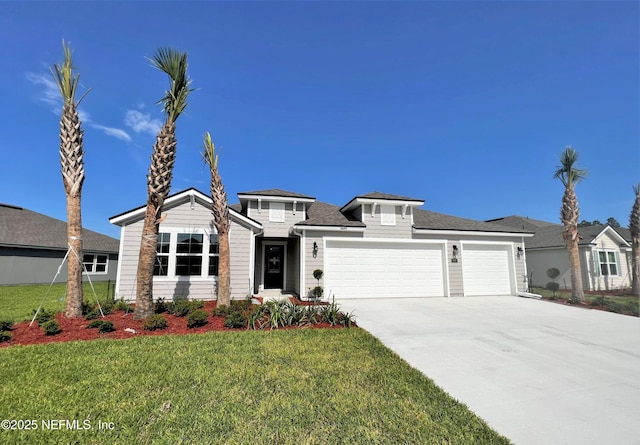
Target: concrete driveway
[{"x": 537, "y": 372}]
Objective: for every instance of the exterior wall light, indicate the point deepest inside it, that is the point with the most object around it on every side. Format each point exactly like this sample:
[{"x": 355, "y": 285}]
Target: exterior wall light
[
  {"x": 314, "y": 250},
  {"x": 455, "y": 251},
  {"x": 519, "y": 251}
]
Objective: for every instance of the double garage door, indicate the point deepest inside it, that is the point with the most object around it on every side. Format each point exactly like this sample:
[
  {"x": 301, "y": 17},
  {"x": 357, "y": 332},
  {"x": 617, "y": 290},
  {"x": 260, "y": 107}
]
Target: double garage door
[{"x": 370, "y": 269}]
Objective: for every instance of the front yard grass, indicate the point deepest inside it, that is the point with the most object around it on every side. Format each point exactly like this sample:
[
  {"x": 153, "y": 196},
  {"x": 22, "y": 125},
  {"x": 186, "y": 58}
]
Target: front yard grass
[
  {"x": 613, "y": 301},
  {"x": 276, "y": 387},
  {"x": 18, "y": 302}
]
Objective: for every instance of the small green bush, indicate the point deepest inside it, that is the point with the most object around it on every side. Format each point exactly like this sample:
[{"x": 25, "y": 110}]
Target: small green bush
[
  {"x": 182, "y": 307},
  {"x": 122, "y": 305},
  {"x": 553, "y": 287},
  {"x": 108, "y": 307},
  {"x": 241, "y": 304},
  {"x": 161, "y": 306},
  {"x": 222, "y": 311},
  {"x": 102, "y": 326},
  {"x": 197, "y": 318},
  {"x": 43, "y": 316},
  {"x": 5, "y": 336},
  {"x": 614, "y": 306},
  {"x": 153, "y": 322},
  {"x": 51, "y": 327},
  {"x": 317, "y": 292},
  {"x": 6, "y": 325},
  {"x": 236, "y": 320},
  {"x": 92, "y": 314}
]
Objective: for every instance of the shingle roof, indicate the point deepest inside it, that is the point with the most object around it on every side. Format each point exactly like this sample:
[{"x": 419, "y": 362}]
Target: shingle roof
[
  {"x": 277, "y": 192},
  {"x": 387, "y": 196},
  {"x": 523, "y": 222},
  {"x": 323, "y": 214},
  {"x": 24, "y": 228},
  {"x": 425, "y": 219},
  {"x": 550, "y": 235}
]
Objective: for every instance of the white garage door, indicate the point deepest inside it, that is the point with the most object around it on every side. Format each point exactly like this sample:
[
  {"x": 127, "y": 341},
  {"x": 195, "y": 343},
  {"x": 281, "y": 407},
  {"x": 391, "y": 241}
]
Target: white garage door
[
  {"x": 486, "y": 269},
  {"x": 380, "y": 269}
]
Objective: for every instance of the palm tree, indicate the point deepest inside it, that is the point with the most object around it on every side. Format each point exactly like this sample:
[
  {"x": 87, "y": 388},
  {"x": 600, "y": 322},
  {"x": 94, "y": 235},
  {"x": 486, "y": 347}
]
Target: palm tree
[
  {"x": 71, "y": 159},
  {"x": 220, "y": 211},
  {"x": 570, "y": 176},
  {"x": 634, "y": 228},
  {"x": 174, "y": 102}
]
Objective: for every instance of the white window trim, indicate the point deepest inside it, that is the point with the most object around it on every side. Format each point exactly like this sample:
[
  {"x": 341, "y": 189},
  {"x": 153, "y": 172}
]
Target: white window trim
[
  {"x": 95, "y": 263},
  {"x": 387, "y": 215},
  {"x": 171, "y": 273},
  {"x": 277, "y": 212},
  {"x": 616, "y": 257}
]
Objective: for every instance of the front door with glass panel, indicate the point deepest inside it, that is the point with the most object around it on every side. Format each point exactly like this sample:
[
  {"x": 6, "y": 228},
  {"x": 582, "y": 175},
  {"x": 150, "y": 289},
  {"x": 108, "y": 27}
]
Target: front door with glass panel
[{"x": 273, "y": 267}]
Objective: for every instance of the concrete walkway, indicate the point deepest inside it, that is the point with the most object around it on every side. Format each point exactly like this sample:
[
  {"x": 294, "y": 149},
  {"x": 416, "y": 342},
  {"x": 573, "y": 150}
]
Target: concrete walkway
[{"x": 538, "y": 372}]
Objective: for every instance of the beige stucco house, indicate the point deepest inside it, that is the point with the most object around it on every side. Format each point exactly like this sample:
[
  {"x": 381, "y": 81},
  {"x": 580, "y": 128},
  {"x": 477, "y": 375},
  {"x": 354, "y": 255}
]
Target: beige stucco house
[{"x": 376, "y": 245}]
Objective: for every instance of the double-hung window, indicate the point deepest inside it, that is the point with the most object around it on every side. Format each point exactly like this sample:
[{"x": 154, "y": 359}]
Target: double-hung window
[
  {"x": 608, "y": 261},
  {"x": 161, "y": 267},
  {"x": 95, "y": 264},
  {"x": 189, "y": 247}
]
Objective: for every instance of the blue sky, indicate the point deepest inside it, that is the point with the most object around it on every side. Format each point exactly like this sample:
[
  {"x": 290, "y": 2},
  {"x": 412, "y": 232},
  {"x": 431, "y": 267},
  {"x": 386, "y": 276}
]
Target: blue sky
[{"x": 466, "y": 105}]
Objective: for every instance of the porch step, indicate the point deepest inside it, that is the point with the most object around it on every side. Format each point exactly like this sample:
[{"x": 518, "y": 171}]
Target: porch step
[{"x": 275, "y": 294}]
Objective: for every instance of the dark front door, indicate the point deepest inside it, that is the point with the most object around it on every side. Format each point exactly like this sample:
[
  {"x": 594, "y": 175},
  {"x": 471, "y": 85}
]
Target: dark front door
[{"x": 274, "y": 267}]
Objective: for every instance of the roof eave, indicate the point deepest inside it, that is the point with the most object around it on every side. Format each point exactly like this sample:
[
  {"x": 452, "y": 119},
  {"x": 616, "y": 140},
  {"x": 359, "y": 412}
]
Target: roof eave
[{"x": 424, "y": 231}]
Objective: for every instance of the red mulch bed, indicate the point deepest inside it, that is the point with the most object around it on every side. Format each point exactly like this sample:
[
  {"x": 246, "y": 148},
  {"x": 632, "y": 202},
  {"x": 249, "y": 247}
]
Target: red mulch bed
[{"x": 73, "y": 329}]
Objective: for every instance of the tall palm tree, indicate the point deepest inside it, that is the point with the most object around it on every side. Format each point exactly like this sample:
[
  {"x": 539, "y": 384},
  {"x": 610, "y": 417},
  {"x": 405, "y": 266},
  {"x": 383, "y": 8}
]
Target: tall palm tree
[
  {"x": 634, "y": 228},
  {"x": 570, "y": 176},
  {"x": 174, "y": 102},
  {"x": 220, "y": 211},
  {"x": 71, "y": 159}
]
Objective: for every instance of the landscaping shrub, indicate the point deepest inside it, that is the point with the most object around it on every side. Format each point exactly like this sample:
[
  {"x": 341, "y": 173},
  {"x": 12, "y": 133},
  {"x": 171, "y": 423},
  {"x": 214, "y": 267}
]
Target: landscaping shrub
[
  {"x": 122, "y": 305},
  {"x": 241, "y": 304},
  {"x": 222, "y": 311},
  {"x": 236, "y": 319},
  {"x": 153, "y": 322},
  {"x": 197, "y": 318},
  {"x": 43, "y": 316},
  {"x": 5, "y": 336},
  {"x": 102, "y": 326},
  {"x": 92, "y": 314},
  {"x": 51, "y": 327},
  {"x": 614, "y": 306},
  {"x": 6, "y": 325},
  {"x": 160, "y": 306},
  {"x": 553, "y": 287},
  {"x": 182, "y": 307}
]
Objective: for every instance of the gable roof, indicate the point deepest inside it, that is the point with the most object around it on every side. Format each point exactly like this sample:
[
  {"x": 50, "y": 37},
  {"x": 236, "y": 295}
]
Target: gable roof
[
  {"x": 183, "y": 195},
  {"x": 379, "y": 196},
  {"x": 387, "y": 196},
  {"x": 324, "y": 214},
  {"x": 549, "y": 235},
  {"x": 275, "y": 192},
  {"x": 427, "y": 220},
  {"x": 24, "y": 228}
]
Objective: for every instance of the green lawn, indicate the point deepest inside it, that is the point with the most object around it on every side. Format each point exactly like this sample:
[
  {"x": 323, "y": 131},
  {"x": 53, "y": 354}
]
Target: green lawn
[
  {"x": 269, "y": 387},
  {"x": 18, "y": 302},
  {"x": 613, "y": 301}
]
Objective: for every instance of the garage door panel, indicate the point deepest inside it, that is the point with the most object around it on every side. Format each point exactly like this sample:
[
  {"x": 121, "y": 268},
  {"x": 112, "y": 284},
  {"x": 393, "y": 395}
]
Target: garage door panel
[
  {"x": 486, "y": 270},
  {"x": 374, "y": 269}
]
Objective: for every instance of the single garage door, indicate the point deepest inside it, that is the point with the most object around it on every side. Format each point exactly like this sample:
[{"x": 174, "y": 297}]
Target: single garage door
[
  {"x": 486, "y": 269},
  {"x": 372, "y": 269}
]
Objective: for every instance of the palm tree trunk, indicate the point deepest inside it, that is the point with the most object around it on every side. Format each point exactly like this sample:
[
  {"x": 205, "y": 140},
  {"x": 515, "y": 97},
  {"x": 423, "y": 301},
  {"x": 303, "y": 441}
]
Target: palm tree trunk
[
  {"x": 224, "y": 270},
  {"x": 146, "y": 262},
  {"x": 569, "y": 217},
  {"x": 74, "y": 261}
]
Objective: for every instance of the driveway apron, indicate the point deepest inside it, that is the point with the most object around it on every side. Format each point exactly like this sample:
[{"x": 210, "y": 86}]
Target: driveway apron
[{"x": 535, "y": 371}]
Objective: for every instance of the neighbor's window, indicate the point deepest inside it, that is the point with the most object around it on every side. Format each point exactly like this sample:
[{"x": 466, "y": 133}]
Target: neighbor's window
[
  {"x": 95, "y": 264},
  {"x": 161, "y": 267},
  {"x": 189, "y": 254},
  {"x": 387, "y": 215},
  {"x": 214, "y": 254},
  {"x": 276, "y": 211},
  {"x": 608, "y": 262}
]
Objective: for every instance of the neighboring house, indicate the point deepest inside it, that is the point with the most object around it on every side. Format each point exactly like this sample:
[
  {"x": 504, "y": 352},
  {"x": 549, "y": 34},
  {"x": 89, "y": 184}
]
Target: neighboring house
[
  {"x": 605, "y": 253},
  {"x": 32, "y": 247},
  {"x": 377, "y": 245}
]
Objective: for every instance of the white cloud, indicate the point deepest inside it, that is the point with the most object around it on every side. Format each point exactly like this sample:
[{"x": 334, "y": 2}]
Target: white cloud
[
  {"x": 142, "y": 123},
  {"x": 51, "y": 93},
  {"x": 115, "y": 132}
]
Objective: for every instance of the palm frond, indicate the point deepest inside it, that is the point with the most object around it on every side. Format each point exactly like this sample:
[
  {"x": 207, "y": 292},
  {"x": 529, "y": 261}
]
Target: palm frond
[
  {"x": 174, "y": 64},
  {"x": 65, "y": 80},
  {"x": 636, "y": 189},
  {"x": 208, "y": 154},
  {"x": 567, "y": 171}
]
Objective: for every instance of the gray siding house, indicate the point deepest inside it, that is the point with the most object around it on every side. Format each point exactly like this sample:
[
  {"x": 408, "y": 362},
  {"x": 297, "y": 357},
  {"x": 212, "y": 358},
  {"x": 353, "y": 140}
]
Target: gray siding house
[
  {"x": 605, "y": 253},
  {"x": 376, "y": 245},
  {"x": 33, "y": 245}
]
